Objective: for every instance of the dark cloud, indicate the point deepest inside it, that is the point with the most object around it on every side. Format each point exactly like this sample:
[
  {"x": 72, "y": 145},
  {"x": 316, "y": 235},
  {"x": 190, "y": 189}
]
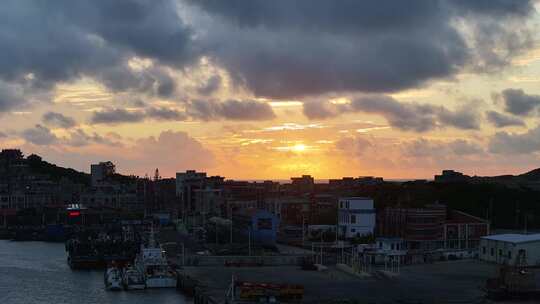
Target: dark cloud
[
  {"x": 166, "y": 87},
  {"x": 291, "y": 49},
  {"x": 517, "y": 102},
  {"x": 404, "y": 116},
  {"x": 231, "y": 110},
  {"x": 274, "y": 48},
  {"x": 320, "y": 110},
  {"x": 137, "y": 103},
  {"x": 58, "y": 120},
  {"x": 408, "y": 117},
  {"x": 115, "y": 116},
  {"x": 198, "y": 109},
  {"x": 246, "y": 110},
  {"x": 65, "y": 40},
  {"x": 498, "y": 7},
  {"x": 515, "y": 143},
  {"x": 502, "y": 120},
  {"x": 165, "y": 114},
  {"x": 211, "y": 86},
  {"x": 80, "y": 138},
  {"x": 423, "y": 147},
  {"x": 466, "y": 118},
  {"x": 39, "y": 135},
  {"x": 9, "y": 97},
  {"x": 3, "y": 135}
]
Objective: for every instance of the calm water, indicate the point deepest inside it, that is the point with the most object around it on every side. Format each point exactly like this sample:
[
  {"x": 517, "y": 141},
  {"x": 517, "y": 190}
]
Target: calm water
[{"x": 36, "y": 272}]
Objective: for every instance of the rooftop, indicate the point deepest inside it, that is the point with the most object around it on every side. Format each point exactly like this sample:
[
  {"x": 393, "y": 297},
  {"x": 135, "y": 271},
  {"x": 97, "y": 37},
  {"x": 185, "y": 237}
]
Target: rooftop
[
  {"x": 355, "y": 198},
  {"x": 514, "y": 238}
]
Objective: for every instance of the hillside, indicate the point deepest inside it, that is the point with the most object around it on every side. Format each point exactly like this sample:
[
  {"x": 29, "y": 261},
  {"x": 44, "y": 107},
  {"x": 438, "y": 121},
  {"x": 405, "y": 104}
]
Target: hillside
[
  {"x": 37, "y": 165},
  {"x": 533, "y": 175}
]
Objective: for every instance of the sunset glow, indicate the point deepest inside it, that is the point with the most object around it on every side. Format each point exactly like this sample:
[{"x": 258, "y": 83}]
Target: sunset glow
[{"x": 251, "y": 99}]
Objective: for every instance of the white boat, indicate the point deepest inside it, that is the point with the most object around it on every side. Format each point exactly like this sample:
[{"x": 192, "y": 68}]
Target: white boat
[
  {"x": 113, "y": 278},
  {"x": 133, "y": 279},
  {"x": 152, "y": 263}
]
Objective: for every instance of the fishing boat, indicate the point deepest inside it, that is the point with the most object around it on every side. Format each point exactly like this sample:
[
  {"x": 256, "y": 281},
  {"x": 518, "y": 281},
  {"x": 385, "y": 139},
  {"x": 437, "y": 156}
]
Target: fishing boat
[
  {"x": 152, "y": 263},
  {"x": 133, "y": 279}
]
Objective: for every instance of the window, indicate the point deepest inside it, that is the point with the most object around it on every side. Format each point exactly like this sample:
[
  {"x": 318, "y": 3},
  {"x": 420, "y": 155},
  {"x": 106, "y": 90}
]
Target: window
[
  {"x": 353, "y": 219},
  {"x": 484, "y": 250},
  {"x": 347, "y": 204},
  {"x": 509, "y": 254},
  {"x": 500, "y": 252},
  {"x": 353, "y": 230},
  {"x": 492, "y": 251},
  {"x": 341, "y": 204}
]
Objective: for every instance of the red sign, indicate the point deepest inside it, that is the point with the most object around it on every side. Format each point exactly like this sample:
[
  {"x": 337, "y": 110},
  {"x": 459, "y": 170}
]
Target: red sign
[{"x": 74, "y": 213}]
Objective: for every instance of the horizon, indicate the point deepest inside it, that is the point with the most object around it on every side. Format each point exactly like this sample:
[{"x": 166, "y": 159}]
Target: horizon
[{"x": 285, "y": 179}]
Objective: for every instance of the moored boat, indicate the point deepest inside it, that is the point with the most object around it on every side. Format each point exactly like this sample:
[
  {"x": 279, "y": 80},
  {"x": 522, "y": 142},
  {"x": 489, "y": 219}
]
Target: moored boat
[
  {"x": 133, "y": 279},
  {"x": 113, "y": 278},
  {"x": 152, "y": 263}
]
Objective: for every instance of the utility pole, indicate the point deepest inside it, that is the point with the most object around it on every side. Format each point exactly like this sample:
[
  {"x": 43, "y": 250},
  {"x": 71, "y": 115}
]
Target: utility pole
[
  {"x": 337, "y": 221},
  {"x": 230, "y": 236},
  {"x": 321, "y": 247},
  {"x": 517, "y": 215},
  {"x": 526, "y": 218},
  {"x": 183, "y": 254},
  {"x": 303, "y": 227},
  {"x": 249, "y": 241},
  {"x": 342, "y": 252}
]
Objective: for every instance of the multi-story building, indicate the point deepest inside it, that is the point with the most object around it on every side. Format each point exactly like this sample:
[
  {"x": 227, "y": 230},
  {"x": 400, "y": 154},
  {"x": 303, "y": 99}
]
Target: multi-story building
[
  {"x": 241, "y": 195},
  {"x": 101, "y": 172},
  {"x": 303, "y": 184},
  {"x": 432, "y": 227},
  {"x": 464, "y": 231},
  {"x": 356, "y": 216},
  {"x": 422, "y": 228},
  {"x": 290, "y": 210},
  {"x": 347, "y": 183},
  {"x": 451, "y": 176},
  {"x": 198, "y": 193}
]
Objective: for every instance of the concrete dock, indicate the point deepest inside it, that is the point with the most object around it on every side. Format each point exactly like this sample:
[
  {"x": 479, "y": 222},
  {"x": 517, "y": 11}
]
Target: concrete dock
[{"x": 444, "y": 282}]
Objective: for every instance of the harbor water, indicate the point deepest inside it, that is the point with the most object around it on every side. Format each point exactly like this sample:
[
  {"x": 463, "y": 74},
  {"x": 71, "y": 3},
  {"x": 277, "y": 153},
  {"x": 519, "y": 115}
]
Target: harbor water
[{"x": 37, "y": 272}]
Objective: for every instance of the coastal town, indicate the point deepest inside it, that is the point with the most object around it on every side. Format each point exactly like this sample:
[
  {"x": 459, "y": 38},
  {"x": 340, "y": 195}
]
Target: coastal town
[
  {"x": 225, "y": 241},
  {"x": 270, "y": 152}
]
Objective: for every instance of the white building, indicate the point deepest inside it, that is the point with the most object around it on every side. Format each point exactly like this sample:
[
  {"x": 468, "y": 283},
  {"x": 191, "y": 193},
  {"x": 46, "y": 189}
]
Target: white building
[
  {"x": 506, "y": 248},
  {"x": 356, "y": 216}
]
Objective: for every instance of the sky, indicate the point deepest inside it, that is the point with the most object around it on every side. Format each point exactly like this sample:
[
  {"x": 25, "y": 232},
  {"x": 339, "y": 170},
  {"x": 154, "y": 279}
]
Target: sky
[{"x": 272, "y": 89}]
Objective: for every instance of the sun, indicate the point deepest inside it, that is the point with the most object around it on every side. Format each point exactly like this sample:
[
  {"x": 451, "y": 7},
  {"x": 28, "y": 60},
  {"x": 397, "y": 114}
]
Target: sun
[{"x": 299, "y": 148}]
